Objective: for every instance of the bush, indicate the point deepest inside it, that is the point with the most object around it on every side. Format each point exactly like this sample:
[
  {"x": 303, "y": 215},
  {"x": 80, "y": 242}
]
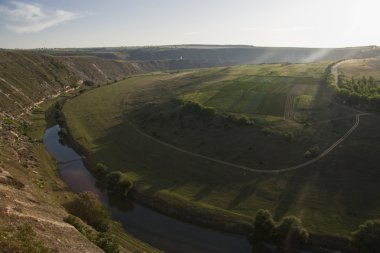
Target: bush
[
  {"x": 240, "y": 119},
  {"x": 266, "y": 130},
  {"x": 264, "y": 225},
  {"x": 118, "y": 183},
  {"x": 100, "y": 170},
  {"x": 112, "y": 179},
  {"x": 88, "y": 83},
  {"x": 106, "y": 242},
  {"x": 89, "y": 208},
  {"x": 290, "y": 232},
  {"x": 23, "y": 240},
  {"x": 103, "y": 240},
  {"x": 312, "y": 152},
  {"x": 81, "y": 227},
  {"x": 62, "y": 133},
  {"x": 198, "y": 109},
  {"x": 367, "y": 238}
]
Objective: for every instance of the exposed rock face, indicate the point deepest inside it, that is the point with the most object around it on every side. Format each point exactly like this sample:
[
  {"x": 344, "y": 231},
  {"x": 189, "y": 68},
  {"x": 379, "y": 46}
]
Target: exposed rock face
[{"x": 25, "y": 199}]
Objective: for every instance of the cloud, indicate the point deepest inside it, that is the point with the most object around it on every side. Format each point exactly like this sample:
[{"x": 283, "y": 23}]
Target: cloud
[{"x": 22, "y": 17}]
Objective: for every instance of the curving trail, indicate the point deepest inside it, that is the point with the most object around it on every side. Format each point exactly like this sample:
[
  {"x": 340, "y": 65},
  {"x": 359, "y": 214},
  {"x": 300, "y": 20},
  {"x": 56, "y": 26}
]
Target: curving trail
[
  {"x": 288, "y": 115},
  {"x": 299, "y": 166},
  {"x": 289, "y": 107}
]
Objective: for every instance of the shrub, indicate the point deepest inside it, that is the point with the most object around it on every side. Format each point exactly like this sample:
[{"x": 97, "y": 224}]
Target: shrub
[
  {"x": 88, "y": 83},
  {"x": 100, "y": 170},
  {"x": 198, "y": 109},
  {"x": 113, "y": 178},
  {"x": 81, "y": 227},
  {"x": 240, "y": 119},
  {"x": 291, "y": 232},
  {"x": 367, "y": 238},
  {"x": 264, "y": 225},
  {"x": 23, "y": 240},
  {"x": 103, "y": 240},
  {"x": 89, "y": 208},
  {"x": 118, "y": 183},
  {"x": 312, "y": 152},
  {"x": 63, "y": 132},
  {"x": 106, "y": 242},
  {"x": 266, "y": 130}
]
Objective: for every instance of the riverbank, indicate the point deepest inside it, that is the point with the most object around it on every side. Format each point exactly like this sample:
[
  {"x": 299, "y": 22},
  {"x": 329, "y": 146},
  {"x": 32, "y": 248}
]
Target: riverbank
[{"x": 54, "y": 186}]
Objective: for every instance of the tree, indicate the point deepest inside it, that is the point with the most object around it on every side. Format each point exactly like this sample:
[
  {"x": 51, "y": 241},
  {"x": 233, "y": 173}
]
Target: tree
[
  {"x": 106, "y": 242},
  {"x": 264, "y": 225},
  {"x": 100, "y": 170},
  {"x": 367, "y": 238},
  {"x": 371, "y": 81},
  {"x": 118, "y": 183},
  {"x": 89, "y": 208},
  {"x": 291, "y": 232}
]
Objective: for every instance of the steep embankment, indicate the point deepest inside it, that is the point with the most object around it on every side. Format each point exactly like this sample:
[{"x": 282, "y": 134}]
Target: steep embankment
[
  {"x": 30, "y": 190},
  {"x": 27, "y": 182},
  {"x": 28, "y": 77}
]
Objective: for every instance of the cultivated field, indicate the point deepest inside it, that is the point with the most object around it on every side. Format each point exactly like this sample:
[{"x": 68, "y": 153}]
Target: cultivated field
[
  {"x": 143, "y": 127},
  {"x": 361, "y": 67}
]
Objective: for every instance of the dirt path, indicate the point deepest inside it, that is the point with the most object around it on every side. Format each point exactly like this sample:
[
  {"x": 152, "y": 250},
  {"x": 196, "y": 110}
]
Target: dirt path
[
  {"x": 299, "y": 166},
  {"x": 289, "y": 107}
]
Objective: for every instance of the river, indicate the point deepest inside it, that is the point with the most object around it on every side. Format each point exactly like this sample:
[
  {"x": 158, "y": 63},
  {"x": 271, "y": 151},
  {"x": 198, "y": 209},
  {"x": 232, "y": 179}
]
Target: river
[{"x": 160, "y": 231}]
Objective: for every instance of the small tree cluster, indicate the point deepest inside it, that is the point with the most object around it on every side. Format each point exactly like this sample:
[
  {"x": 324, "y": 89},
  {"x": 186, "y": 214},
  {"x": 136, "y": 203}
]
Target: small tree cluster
[
  {"x": 88, "y": 207},
  {"x": 118, "y": 183},
  {"x": 88, "y": 83},
  {"x": 367, "y": 238},
  {"x": 197, "y": 109},
  {"x": 359, "y": 91},
  {"x": 291, "y": 232},
  {"x": 100, "y": 170},
  {"x": 312, "y": 152},
  {"x": 288, "y": 232},
  {"x": 103, "y": 240}
]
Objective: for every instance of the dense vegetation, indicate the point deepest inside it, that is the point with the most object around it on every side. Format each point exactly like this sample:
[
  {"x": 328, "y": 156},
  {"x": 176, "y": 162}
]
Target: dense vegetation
[
  {"x": 88, "y": 207},
  {"x": 104, "y": 240},
  {"x": 288, "y": 232},
  {"x": 357, "y": 83},
  {"x": 361, "y": 91},
  {"x": 367, "y": 238}
]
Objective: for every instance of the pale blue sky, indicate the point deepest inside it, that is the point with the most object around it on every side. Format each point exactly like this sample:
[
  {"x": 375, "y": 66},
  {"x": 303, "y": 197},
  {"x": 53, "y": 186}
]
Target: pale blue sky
[{"x": 97, "y": 23}]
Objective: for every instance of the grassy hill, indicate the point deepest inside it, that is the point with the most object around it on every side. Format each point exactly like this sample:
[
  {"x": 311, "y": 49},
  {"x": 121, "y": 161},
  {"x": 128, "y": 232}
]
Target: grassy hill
[
  {"x": 361, "y": 67},
  {"x": 27, "y": 78},
  {"x": 150, "y": 126}
]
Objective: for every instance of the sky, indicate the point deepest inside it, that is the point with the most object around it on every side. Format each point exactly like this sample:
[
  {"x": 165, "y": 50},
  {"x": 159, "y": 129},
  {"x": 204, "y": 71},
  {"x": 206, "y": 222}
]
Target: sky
[{"x": 100, "y": 23}]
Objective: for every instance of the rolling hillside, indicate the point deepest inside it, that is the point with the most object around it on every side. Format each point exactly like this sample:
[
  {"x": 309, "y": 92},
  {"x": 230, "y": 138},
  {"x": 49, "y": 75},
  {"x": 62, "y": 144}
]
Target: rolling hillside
[{"x": 181, "y": 139}]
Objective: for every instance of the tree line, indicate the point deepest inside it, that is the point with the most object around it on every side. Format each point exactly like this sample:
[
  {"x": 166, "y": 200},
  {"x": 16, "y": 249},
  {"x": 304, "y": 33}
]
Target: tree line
[{"x": 353, "y": 91}]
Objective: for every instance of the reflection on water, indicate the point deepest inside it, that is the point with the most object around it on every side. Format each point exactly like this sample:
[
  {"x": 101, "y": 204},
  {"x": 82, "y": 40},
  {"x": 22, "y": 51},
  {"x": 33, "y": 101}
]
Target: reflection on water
[{"x": 161, "y": 231}]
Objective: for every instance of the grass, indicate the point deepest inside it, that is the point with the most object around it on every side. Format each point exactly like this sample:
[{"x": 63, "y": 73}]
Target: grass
[
  {"x": 361, "y": 67},
  {"x": 257, "y": 89},
  {"x": 332, "y": 196}
]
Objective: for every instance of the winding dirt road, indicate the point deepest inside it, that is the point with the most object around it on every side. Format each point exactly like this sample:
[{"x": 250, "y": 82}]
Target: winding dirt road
[
  {"x": 288, "y": 115},
  {"x": 324, "y": 153}
]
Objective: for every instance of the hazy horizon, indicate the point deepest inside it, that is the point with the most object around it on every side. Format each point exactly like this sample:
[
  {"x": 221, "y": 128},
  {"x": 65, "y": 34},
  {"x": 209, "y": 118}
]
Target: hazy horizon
[{"x": 116, "y": 23}]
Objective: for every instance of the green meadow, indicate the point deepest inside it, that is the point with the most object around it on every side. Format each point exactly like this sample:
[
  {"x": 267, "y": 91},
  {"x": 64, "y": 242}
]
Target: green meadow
[{"x": 133, "y": 125}]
